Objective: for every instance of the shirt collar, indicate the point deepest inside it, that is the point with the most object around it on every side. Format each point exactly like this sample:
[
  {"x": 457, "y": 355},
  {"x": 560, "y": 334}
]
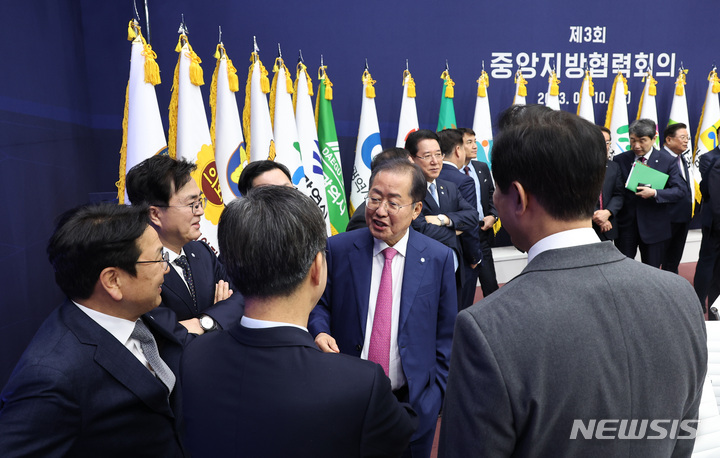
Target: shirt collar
[
  {"x": 172, "y": 256},
  {"x": 400, "y": 246},
  {"x": 253, "y": 323},
  {"x": 120, "y": 328},
  {"x": 451, "y": 163},
  {"x": 646, "y": 156},
  {"x": 564, "y": 239}
]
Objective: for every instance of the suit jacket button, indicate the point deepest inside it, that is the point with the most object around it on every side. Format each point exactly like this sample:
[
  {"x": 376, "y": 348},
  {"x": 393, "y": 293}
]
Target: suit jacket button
[{"x": 358, "y": 347}]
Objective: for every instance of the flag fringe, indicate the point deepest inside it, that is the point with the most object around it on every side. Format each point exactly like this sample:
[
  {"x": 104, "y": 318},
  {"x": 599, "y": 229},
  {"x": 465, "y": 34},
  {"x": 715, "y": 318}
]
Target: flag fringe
[
  {"x": 246, "y": 108},
  {"x": 213, "y": 96},
  {"x": 120, "y": 184},
  {"x": 173, "y": 109}
]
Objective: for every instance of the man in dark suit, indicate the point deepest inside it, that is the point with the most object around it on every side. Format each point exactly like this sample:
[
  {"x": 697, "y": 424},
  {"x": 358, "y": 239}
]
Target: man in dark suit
[
  {"x": 196, "y": 288},
  {"x": 88, "y": 384},
  {"x": 709, "y": 250},
  {"x": 445, "y": 215},
  {"x": 522, "y": 383},
  {"x": 644, "y": 219},
  {"x": 263, "y": 173},
  {"x": 451, "y": 145},
  {"x": 390, "y": 297},
  {"x": 484, "y": 188},
  {"x": 610, "y": 200},
  {"x": 274, "y": 394},
  {"x": 681, "y": 212}
]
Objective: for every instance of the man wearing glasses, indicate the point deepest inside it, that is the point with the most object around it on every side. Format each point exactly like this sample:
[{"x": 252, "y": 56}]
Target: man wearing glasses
[
  {"x": 197, "y": 287},
  {"x": 390, "y": 296},
  {"x": 99, "y": 377}
]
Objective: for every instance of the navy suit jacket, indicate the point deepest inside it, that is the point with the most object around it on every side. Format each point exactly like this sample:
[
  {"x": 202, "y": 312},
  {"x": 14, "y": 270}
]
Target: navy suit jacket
[
  {"x": 77, "y": 391},
  {"x": 707, "y": 161},
  {"x": 470, "y": 240},
  {"x": 463, "y": 215},
  {"x": 651, "y": 215},
  {"x": 487, "y": 190},
  {"x": 612, "y": 196},
  {"x": 428, "y": 308},
  {"x": 206, "y": 271},
  {"x": 681, "y": 211},
  {"x": 274, "y": 394}
]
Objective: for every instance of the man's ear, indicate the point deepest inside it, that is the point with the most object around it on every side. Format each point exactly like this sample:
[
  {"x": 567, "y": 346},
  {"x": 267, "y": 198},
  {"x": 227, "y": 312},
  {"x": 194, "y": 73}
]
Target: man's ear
[
  {"x": 154, "y": 214},
  {"x": 317, "y": 269},
  {"x": 519, "y": 197},
  {"x": 111, "y": 282},
  {"x": 417, "y": 209}
]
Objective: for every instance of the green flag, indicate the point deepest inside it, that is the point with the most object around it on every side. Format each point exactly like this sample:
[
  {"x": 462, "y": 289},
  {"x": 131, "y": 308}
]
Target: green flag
[
  {"x": 330, "y": 152},
  {"x": 446, "y": 119}
]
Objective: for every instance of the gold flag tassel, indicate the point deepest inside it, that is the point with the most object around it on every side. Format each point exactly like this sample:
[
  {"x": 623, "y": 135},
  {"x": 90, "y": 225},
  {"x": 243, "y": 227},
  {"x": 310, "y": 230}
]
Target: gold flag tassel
[
  {"x": 172, "y": 118},
  {"x": 521, "y": 82},
  {"x": 483, "y": 83},
  {"x": 680, "y": 83},
  {"x": 554, "y": 84},
  {"x": 369, "y": 85},
  {"x": 410, "y": 83},
  {"x": 449, "y": 85},
  {"x": 301, "y": 68},
  {"x": 219, "y": 52}
]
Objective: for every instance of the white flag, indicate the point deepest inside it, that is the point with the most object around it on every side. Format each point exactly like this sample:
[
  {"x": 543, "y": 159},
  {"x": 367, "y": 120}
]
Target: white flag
[
  {"x": 256, "y": 114},
  {"x": 552, "y": 99},
  {"x": 586, "y": 108},
  {"x": 408, "y": 111},
  {"x": 482, "y": 122},
  {"x": 287, "y": 145},
  {"x": 706, "y": 136},
  {"x": 226, "y": 128},
  {"x": 307, "y": 136},
  {"x": 368, "y": 144},
  {"x": 617, "y": 116},
  {"x": 647, "y": 109},
  {"x": 520, "y": 89},
  {"x": 679, "y": 114},
  {"x": 143, "y": 134},
  {"x": 190, "y": 136}
]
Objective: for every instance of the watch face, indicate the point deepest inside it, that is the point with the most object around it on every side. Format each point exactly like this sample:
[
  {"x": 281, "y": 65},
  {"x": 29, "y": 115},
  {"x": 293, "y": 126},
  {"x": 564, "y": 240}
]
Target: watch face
[{"x": 206, "y": 322}]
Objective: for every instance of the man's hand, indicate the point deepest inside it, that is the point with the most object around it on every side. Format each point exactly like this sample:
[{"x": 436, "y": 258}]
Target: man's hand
[
  {"x": 433, "y": 219},
  {"x": 458, "y": 232},
  {"x": 601, "y": 217},
  {"x": 606, "y": 226},
  {"x": 326, "y": 343},
  {"x": 222, "y": 291},
  {"x": 193, "y": 326},
  {"x": 488, "y": 222},
  {"x": 645, "y": 192}
]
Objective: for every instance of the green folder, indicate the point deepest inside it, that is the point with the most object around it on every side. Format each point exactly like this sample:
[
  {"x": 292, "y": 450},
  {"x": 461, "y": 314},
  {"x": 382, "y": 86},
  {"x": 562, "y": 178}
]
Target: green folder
[{"x": 641, "y": 173}]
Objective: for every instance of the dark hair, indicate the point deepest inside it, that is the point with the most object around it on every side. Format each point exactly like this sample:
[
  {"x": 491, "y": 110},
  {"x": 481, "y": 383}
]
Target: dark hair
[
  {"x": 516, "y": 113},
  {"x": 151, "y": 181},
  {"x": 672, "y": 129},
  {"x": 643, "y": 128},
  {"x": 257, "y": 168},
  {"x": 411, "y": 144},
  {"x": 466, "y": 131},
  {"x": 89, "y": 238},
  {"x": 606, "y": 130},
  {"x": 389, "y": 154},
  {"x": 557, "y": 157},
  {"x": 418, "y": 184},
  {"x": 269, "y": 240},
  {"x": 449, "y": 139}
]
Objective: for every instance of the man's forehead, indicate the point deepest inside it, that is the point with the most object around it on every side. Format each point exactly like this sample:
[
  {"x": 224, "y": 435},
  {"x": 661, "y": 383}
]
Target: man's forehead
[
  {"x": 188, "y": 191},
  {"x": 428, "y": 144}
]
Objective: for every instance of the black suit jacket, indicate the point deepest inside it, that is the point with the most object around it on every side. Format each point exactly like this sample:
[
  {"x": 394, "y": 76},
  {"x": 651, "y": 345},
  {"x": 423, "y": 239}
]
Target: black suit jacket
[
  {"x": 466, "y": 187},
  {"x": 612, "y": 196},
  {"x": 487, "y": 189},
  {"x": 681, "y": 211},
  {"x": 274, "y": 394},
  {"x": 77, "y": 391},
  {"x": 206, "y": 271},
  {"x": 650, "y": 215},
  {"x": 707, "y": 161},
  {"x": 357, "y": 220},
  {"x": 463, "y": 215}
]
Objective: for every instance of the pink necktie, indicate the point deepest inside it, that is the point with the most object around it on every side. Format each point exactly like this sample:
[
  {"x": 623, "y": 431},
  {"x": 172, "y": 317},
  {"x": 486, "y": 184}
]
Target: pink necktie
[{"x": 379, "y": 350}]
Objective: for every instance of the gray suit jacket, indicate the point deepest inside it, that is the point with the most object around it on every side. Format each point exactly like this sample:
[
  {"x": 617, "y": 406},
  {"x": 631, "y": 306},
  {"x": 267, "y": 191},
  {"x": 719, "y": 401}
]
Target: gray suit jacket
[{"x": 582, "y": 333}]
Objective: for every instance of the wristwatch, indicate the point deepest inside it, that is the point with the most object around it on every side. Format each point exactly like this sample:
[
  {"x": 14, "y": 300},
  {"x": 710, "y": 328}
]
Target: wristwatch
[
  {"x": 207, "y": 323},
  {"x": 442, "y": 220}
]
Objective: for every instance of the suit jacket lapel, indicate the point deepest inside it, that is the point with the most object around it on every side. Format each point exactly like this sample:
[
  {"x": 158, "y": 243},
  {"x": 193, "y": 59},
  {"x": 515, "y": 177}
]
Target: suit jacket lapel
[
  {"x": 177, "y": 286},
  {"x": 415, "y": 265},
  {"x": 361, "y": 268},
  {"x": 117, "y": 360},
  {"x": 430, "y": 204}
]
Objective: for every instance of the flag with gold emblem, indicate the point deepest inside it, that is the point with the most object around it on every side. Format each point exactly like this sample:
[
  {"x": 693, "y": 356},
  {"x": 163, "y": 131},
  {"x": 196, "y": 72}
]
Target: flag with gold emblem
[
  {"x": 257, "y": 125},
  {"x": 616, "y": 118}
]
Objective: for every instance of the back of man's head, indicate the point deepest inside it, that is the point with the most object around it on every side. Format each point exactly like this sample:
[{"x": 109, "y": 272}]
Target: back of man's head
[
  {"x": 449, "y": 140},
  {"x": 411, "y": 144},
  {"x": 558, "y": 157},
  {"x": 257, "y": 168},
  {"x": 389, "y": 155},
  {"x": 269, "y": 240},
  {"x": 156, "y": 179},
  {"x": 90, "y": 238}
]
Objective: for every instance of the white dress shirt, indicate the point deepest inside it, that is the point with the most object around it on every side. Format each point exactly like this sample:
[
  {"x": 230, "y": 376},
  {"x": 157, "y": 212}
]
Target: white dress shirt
[
  {"x": 564, "y": 239},
  {"x": 395, "y": 371},
  {"x": 172, "y": 256},
  {"x": 253, "y": 323}
]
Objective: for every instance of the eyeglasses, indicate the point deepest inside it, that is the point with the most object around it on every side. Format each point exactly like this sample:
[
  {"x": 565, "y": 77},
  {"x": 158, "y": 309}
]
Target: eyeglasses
[
  {"x": 165, "y": 259},
  {"x": 391, "y": 207},
  {"x": 683, "y": 138},
  {"x": 427, "y": 157},
  {"x": 194, "y": 206}
]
